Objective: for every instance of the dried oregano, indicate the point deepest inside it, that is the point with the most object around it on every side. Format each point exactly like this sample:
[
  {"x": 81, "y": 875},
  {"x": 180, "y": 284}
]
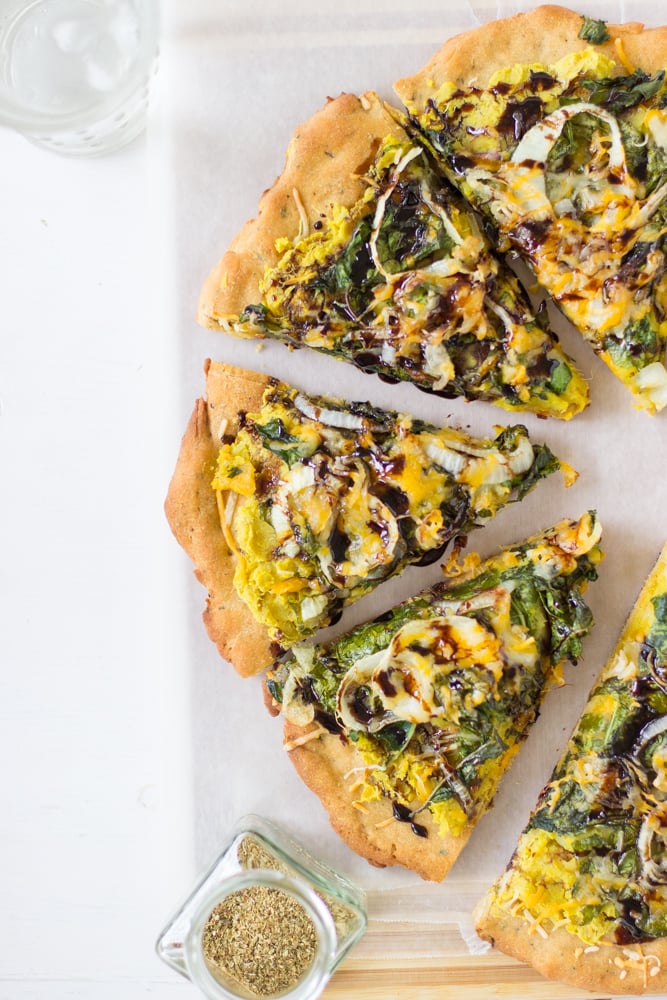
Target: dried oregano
[
  {"x": 251, "y": 854},
  {"x": 261, "y": 937}
]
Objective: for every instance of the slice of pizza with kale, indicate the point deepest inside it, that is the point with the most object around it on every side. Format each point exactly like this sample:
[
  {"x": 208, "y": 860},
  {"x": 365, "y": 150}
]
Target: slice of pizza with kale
[
  {"x": 363, "y": 251},
  {"x": 293, "y": 505},
  {"x": 584, "y": 898},
  {"x": 404, "y": 726},
  {"x": 554, "y": 127}
]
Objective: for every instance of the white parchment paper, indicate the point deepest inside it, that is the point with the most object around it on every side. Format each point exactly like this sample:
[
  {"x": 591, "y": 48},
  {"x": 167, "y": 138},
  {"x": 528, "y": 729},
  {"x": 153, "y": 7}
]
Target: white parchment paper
[{"x": 237, "y": 78}]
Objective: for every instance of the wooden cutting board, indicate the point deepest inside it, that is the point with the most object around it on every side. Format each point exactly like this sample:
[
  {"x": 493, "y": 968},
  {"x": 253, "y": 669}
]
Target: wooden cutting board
[
  {"x": 465, "y": 978},
  {"x": 399, "y": 960}
]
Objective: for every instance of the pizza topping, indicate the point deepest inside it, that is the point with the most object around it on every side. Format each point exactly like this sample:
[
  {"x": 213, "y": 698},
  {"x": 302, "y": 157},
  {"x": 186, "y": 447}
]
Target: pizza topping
[
  {"x": 338, "y": 497},
  {"x": 404, "y": 283},
  {"x": 570, "y": 168},
  {"x": 437, "y": 694},
  {"x": 408, "y": 681},
  {"x": 601, "y": 822},
  {"x": 594, "y": 31}
]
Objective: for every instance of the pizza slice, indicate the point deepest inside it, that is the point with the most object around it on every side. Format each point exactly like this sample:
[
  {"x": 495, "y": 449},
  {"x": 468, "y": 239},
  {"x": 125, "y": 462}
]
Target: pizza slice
[
  {"x": 405, "y": 726},
  {"x": 584, "y": 897},
  {"x": 292, "y": 505},
  {"x": 361, "y": 250},
  {"x": 555, "y": 127}
]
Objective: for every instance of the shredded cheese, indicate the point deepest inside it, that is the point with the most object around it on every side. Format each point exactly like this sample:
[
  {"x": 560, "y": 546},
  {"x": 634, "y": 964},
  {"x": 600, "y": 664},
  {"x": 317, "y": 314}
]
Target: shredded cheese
[
  {"x": 224, "y": 521},
  {"x": 304, "y": 226},
  {"x": 622, "y": 55},
  {"x": 299, "y": 741},
  {"x": 360, "y": 806}
]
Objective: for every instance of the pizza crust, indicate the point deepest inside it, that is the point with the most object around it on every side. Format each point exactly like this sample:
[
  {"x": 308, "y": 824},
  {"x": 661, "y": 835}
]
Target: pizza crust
[
  {"x": 618, "y": 969},
  {"x": 192, "y": 513},
  {"x": 543, "y": 35},
  {"x": 326, "y": 160},
  {"x": 326, "y": 764}
]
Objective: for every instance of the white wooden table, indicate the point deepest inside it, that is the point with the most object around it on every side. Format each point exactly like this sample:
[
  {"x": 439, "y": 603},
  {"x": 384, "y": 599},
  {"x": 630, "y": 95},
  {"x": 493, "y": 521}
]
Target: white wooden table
[
  {"x": 93, "y": 855},
  {"x": 96, "y": 836}
]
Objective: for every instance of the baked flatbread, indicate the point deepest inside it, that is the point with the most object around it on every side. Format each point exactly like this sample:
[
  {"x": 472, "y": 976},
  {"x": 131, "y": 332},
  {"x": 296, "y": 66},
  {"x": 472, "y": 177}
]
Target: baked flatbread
[
  {"x": 584, "y": 898},
  {"x": 292, "y": 506},
  {"x": 404, "y": 726},
  {"x": 362, "y": 250},
  {"x": 555, "y": 127}
]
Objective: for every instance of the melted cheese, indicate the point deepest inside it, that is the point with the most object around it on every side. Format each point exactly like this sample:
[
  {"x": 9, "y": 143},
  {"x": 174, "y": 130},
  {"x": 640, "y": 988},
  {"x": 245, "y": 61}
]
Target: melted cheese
[
  {"x": 553, "y": 882},
  {"x": 339, "y": 289},
  {"x": 576, "y": 225},
  {"x": 315, "y": 527},
  {"x": 409, "y": 680}
]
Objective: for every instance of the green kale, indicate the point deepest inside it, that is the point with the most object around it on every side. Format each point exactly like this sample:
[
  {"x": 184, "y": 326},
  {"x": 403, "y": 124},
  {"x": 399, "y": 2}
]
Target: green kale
[
  {"x": 656, "y": 166},
  {"x": 608, "y": 731},
  {"x": 527, "y": 609},
  {"x": 618, "y": 93},
  {"x": 375, "y": 635},
  {"x": 569, "y": 618},
  {"x": 257, "y": 313},
  {"x": 410, "y": 233},
  {"x": 657, "y": 636},
  {"x": 277, "y": 439},
  {"x": 396, "y": 735},
  {"x": 491, "y": 749},
  {"x": 544, "y": 463},
  {"x": 569, "y": 811},
  {"x": 640, "y": 346},
  {"x": 560, "y": 378},
  {"x": 354, "y": 268},
  {"x": 593, "y": 31},
  {"x": 572, "y": 148}
]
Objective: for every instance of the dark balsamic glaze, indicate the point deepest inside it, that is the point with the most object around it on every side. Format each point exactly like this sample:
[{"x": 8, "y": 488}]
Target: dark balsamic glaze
[{"x": 519, "y": 116}]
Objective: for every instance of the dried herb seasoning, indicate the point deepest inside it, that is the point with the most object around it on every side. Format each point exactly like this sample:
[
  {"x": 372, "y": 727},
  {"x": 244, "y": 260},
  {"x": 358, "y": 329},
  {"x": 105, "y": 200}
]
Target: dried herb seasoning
[
  {"x": 262, "y": 938},
  {"x": 251, "y": 854}
]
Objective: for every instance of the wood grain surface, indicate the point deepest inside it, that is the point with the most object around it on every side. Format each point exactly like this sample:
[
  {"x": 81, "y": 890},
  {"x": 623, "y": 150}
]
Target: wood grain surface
[{"x": 461, "y": 978}]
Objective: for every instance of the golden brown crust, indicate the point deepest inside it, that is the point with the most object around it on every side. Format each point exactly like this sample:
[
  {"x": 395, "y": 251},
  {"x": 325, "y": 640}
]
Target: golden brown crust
[
  {"x": 543, "y": 35},
  {"x": 619, "y": 969},
  {"x": 192, "y": 513},
  {"x": 325, "y": 161},
  {"x": 326, "y": 765}
]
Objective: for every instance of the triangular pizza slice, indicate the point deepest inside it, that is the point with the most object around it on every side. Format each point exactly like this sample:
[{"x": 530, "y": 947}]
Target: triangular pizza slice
[
  {"x": 363, "y": 251},
  {"x": 404, "y": 726},
  {"x": 555, "y": 128},
  {"x": 584, "y": 897},
  {"x": 292, "y": 505}
]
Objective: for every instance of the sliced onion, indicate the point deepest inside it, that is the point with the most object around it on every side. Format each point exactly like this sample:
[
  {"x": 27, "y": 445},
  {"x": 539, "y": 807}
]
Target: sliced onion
[
  {"x": 332, "y": 418},
  {"x": 539, "y": 140},
  {"x": 381, "y": 206},
  {"x": 649, "y": 732},
  {"x": 448, "y": 459},
  {"x": 438, "y": 210},
  {"x": 652, "y": 383},
  {"x": 654, "y": 872},
  {"x": 523, "y": 456},
  {"x": 502, "y": 314}
]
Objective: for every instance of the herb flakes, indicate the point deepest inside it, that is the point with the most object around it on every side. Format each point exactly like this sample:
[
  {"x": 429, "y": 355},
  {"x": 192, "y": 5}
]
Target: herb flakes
[
  {"x": 260, "y": 937},
  {"x": 594, "y": 31}
]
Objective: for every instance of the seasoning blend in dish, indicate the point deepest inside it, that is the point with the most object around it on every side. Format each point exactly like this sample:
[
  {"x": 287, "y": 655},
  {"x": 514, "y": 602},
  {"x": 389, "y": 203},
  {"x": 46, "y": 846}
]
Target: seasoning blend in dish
[{"x": 267, "y": 920}]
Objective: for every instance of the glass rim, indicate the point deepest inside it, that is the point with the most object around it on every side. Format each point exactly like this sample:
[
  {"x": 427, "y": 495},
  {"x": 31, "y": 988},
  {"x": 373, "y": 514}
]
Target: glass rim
[
  {"x": 19, "y": 115},
  {"x": 313, "y": 980}
]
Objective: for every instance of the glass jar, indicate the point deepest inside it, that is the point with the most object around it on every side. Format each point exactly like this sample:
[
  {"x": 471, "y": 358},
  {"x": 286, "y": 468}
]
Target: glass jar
[{"x": 258, "y": 858}]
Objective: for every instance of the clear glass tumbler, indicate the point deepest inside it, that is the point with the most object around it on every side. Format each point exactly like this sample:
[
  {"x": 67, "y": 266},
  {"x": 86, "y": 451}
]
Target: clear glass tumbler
[{"x": 75, "y": 75}]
